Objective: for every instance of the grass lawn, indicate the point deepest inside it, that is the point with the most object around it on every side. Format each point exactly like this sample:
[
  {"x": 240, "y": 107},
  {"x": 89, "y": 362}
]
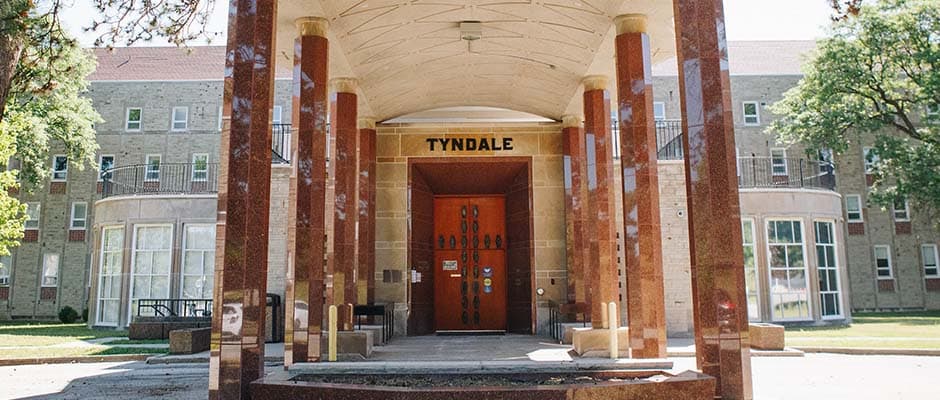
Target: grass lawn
[
  {"x": 32, "y": 339},
  {"x": 140, "y": 341},
  {"x": 52, "y": 352},
  {"x": 909, "y": 330},
  {"x": 46, "y": 334}
]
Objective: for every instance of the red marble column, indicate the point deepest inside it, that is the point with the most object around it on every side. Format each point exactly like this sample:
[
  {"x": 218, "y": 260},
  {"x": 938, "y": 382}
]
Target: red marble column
[
  {"x": 600, "y": 233},
  {"x": 720, "y": 303},
  {"x": 642, "y": 240},
  {"x": 343, "y": 120},
  {"x": 237, "y": 345},
  {"x": 366, "y": 272},
  {"x": 307, "y": 201},
  {"x": 575, "y": 206}
]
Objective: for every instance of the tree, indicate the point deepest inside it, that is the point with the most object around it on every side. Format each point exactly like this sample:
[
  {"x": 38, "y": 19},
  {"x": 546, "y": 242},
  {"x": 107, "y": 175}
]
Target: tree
[
  {"x": 876, "y": 81},
  {"x": 42, "y": 77}
]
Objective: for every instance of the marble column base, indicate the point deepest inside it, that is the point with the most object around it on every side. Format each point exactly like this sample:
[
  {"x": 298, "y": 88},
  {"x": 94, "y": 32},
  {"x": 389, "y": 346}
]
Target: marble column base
[{"x": 595, "y": 343}]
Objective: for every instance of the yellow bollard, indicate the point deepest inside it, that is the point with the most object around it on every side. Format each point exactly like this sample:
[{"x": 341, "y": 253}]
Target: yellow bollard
[
  {"x": 614, "y": 345},
  {"x": 332, "y": 335},
  {"x": 604, "y": 323}
]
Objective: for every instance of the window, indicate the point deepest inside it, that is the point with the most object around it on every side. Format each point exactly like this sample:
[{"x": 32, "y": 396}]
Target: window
[
  {"x": 902, "y": 210},
  {"x": 751, "y": 113},
  {"x": 659, "y": 111},
  {"x": 825, "y": 155},
  {"x": 109, "y": 275},
  {"x": 198, "y": 261},
  {"x": 276, "y": 115},
  {"x": 778, "y": 161},
  {"x": 871, "y": 159},
  {"x": 32, "y": 215},
  {"x": 789, "y": 288},
  {"x": 220, "y": 118},
  {"x": 928, "y": 254},
  {"x": 152, "y": 172},
  {"x": 933, "y": 113},
  {"x": 750, "y": 270},
  {"x": 150, "y": 263},
  {"x": 180, "y": 119},
  {"x": 853, "y": 208},
  {"x": 829, "y": 299},
  {"x": 105, "y": 163},
  {"x": 50, "y": 270},
  {"x": 79, "y": 215},
  {"x": 60, "y": 168},
  {"x": 883, "y": 261},
  {"x": 133, "y": 122},
  {"x": 6, "y": 265},
  {"x": 200, "y": 167}
]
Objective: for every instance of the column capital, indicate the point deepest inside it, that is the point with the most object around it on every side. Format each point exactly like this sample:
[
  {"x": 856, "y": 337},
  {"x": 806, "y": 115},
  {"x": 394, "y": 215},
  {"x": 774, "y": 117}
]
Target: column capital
[
  {"x": 366, "y": 123},
  {"x": 344, "y": 85},
  {"x": 570, "y": 121},
  {"x": 630, "y": 23},
  {"x": 594, "y": 82},
  {"x": 312, "y": 26}
]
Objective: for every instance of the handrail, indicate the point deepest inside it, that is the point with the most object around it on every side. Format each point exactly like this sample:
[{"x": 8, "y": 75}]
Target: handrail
[
  {"x": 161, "y": 178},
  {"x": 783, "y": 172}
]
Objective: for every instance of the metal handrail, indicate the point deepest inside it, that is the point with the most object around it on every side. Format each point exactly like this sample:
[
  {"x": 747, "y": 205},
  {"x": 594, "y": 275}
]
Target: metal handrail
[
  {"x": 192, "y": 308},
  {"x": 162, "y": 178},
  {"x": 781, "y": 172}
]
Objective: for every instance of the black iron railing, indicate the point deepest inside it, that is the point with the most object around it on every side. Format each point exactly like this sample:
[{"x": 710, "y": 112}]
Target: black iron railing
[
  {"x": 174, "y": 307},
  {"x": 280, "y": 143},
  {"x": 161, "y": 178},
  {"x": 668, "y": 139},
  {"x": 775, "y": 172}
]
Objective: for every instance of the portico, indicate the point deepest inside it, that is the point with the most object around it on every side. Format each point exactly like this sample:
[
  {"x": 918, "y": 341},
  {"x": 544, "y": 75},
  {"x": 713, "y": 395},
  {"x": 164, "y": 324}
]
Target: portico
[{"x": 363, "y": 213}]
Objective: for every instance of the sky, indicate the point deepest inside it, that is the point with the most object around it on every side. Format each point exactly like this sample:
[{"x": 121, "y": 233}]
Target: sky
[{"x": 745, "y": 19}]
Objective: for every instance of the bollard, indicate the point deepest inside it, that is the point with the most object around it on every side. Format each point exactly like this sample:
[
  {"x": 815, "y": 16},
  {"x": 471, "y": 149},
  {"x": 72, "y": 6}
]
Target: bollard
[
  {"x": 612, "y": 319},
  {"x": 604, "y": 323},
  {"x": 332, "y": 335}
]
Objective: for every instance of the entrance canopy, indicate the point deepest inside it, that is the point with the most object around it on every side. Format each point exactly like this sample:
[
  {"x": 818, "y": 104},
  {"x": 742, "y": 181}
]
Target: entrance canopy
[{"x": 526, "y": 56}]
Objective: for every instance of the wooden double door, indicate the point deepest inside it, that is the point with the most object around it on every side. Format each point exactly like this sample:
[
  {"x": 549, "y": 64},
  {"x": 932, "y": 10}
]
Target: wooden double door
[{"x": 470, "y": 263}]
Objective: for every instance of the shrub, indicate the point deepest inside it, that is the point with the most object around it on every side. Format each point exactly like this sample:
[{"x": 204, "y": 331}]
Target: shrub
[{"x": 68, "y": 315}]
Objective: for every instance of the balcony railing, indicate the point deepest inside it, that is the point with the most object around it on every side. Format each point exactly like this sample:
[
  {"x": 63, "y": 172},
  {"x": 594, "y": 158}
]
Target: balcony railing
[
  {"x": 773, "y": 173},
  {"x": 668, "y": 139},
  {"x": 280, "y": 143},
  {"x": 163, "y": 178}
]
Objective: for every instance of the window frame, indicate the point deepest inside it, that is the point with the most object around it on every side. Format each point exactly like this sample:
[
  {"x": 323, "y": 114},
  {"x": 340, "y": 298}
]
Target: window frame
[
  {"x": 277, "y": 114},
  {"x": 84, "y": 219},
  {"x": 220, "y": 118},
  {"x": 101, "y": 173},
  {"x": 756, "y": 114},
  {"x": 38, "y": 216},
  {"x": 139, "y": 121},
  {"x": 936, "y": 260},
  {"x": 43, "y": 271},
  {"x": 174, "y": 121},
  {"x": 906, "y": 211},
  {"x": 148, "y": 171},
  {"x": 754, "y": 248},
  {"x": 835, "y": 260},
  {"x": 890, "y": 261},
  {"x": 193, "y": 171},
  {"x": 116, "y": 277},
  {"x": 5, "y": 279},
  {"x": 134, "y": 254},
  {"x": 659, "y": 105},
  {"x": 770, "y": 268},
  {"x": 861, "y": 213},
  {"x": 773, "y": 165},
  {"x": 869, "y": 165},
  {"x": 64, "y": 173},
  {"x": 183, "y": 252}
]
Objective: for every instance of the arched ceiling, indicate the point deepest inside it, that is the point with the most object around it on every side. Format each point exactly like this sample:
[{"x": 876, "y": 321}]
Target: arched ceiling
[{"x": 408, "y": 54}]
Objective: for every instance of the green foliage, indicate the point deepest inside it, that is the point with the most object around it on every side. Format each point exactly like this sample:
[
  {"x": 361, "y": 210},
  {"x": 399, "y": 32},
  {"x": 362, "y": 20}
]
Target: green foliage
[
  {"x": 68, "y": 315},
  {"x": 872, "y": 83},
  {"x": 45, "y": 107}
]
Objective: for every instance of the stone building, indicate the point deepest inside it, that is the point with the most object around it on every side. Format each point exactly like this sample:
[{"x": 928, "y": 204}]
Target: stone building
[{"x": 145, "y": 228}]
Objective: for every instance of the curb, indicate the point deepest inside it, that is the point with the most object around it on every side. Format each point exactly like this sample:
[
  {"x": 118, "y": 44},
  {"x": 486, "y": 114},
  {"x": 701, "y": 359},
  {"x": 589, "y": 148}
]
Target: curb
[
  {"x": 865, "y": 351},
  {"x": 73, "y": 360},
  {"x": 181, "y": 359}
]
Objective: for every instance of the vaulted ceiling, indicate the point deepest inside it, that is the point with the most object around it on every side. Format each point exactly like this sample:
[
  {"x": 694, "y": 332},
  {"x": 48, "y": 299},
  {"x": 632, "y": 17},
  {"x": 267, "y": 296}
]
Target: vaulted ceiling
[{"x": 408, "y": 55}]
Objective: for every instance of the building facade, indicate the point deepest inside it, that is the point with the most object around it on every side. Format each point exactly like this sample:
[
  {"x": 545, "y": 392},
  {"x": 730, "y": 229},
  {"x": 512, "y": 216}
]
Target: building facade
[{"x": 143, "y": 224}]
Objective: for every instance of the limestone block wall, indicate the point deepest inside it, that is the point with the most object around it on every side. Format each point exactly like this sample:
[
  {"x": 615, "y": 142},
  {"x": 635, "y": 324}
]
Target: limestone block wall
[{"x": 396, "y": 143}]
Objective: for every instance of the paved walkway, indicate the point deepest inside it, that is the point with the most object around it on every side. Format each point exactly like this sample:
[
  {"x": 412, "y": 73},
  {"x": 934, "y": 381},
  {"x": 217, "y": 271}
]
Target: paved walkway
[{"x": 816, "y": 376}]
